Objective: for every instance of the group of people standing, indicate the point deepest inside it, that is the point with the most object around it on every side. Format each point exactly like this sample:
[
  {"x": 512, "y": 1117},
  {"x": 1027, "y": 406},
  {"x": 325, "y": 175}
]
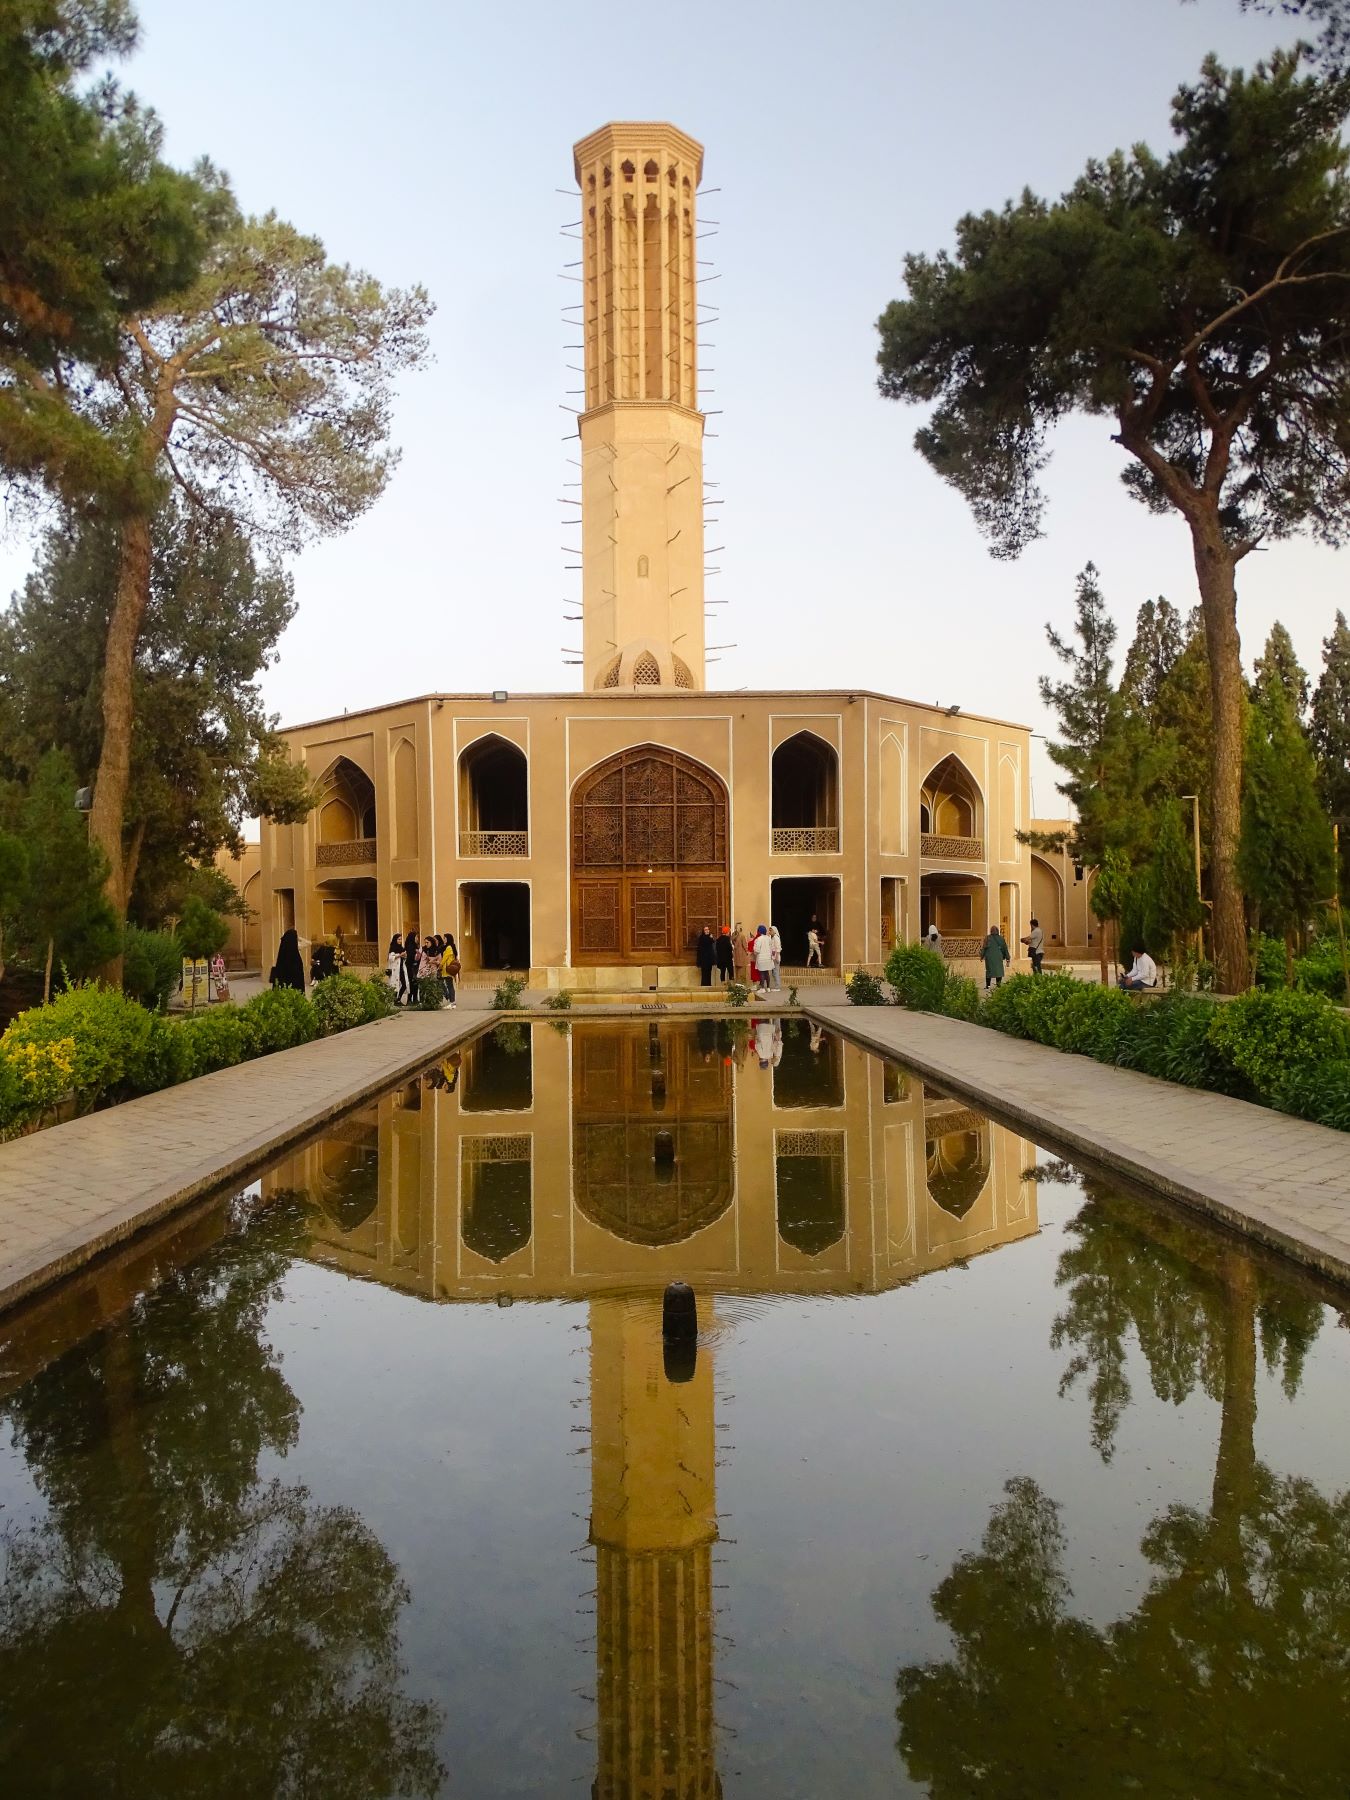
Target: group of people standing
[
  {"x": 756, "y": 960},
  {"x": 995, "y": 953},
  {"x": 413, "y": 960}
]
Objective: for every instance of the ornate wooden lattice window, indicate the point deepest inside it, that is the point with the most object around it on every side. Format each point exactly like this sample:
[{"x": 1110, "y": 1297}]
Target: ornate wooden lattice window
[
  {"x": 649, "y": 856},
  {"x": 649, "y": 809}
]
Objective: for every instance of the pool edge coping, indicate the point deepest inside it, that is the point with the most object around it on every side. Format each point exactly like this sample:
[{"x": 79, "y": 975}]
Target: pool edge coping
[{"x": 1329, "y": 1257}]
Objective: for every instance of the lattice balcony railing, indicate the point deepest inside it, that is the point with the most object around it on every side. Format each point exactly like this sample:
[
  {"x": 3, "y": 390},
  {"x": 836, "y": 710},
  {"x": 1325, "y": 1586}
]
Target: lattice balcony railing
[
  {"x": 961, "y": 946},
  {"x": 361, "y": 953},
  {"x": 494, "y": 843},
  {"x": 961, "y": 849},
  {"x": 355, "y": 850},
  {"x": 806, "y": 840}
]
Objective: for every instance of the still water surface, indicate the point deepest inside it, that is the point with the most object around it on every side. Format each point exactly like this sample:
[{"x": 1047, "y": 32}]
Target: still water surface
[{"x": 985, "y": 1480}]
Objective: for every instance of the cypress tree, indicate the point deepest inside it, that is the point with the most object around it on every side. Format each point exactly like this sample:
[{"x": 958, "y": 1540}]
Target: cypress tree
[
  {"x": 1173, "y": 906},
  {"x": 1159, "y": 638},
  {"x": 1279, "y": 663},
  {"x": 1331, "y": 736},
  {"x": 63, "y": 906},
  {"x": 1285, "y": 857}
]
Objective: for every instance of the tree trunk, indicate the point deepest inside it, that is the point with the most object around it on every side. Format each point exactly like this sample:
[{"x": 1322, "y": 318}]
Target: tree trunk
[
  {"x": 114, "y": 763},
  {"x": 47, "y": 973},
  {"x": 1101, "y": 946},
  {"x": 1214, "y": 567},
  {"x": 1235, "y": 1466}
]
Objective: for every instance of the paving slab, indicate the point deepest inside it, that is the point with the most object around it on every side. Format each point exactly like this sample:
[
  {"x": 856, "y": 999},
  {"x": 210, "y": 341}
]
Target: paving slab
[
  {"x": 74, "y": 1190},
  {"x": 1281, "y": 1181}
]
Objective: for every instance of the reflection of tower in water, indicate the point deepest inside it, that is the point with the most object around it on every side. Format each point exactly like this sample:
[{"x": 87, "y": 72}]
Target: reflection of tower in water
[{"x": 653, "y": 1524}]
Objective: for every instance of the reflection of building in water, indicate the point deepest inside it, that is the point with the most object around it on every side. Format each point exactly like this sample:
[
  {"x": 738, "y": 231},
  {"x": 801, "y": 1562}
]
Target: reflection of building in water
[
  {"x": 653, "y": 1524},
  {"x": 616, "y": 1156}
]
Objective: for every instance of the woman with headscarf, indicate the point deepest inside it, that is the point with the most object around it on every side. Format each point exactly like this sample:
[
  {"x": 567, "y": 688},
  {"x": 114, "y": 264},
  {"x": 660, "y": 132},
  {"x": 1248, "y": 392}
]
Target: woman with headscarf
[
  {"x": 289, "y": 969},
  {"x": 394, "y": 964},
  {"x": 411, "y": 949},
  {"x": 740, "y": 953},
  {"x": 724, "y": 954},
  {"x": 761, "y": 957},
  {"x": 777, "y": 970}
]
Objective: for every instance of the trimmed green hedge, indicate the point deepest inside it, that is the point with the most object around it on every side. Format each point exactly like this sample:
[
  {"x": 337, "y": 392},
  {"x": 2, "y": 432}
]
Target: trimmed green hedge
[
  {"x": 98, "y": 1044},
  {"x": 1283, "y": 1049}
]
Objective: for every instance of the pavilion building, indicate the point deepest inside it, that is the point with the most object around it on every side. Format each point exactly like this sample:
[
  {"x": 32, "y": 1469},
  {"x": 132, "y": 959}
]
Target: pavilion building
[{"x": 587, "y": 836}]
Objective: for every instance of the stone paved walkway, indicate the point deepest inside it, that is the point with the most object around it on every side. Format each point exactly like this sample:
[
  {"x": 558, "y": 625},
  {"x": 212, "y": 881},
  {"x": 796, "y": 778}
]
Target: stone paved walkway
[
  {"x": 1279, "y": 1180},
  {"x": 75, "y": 1189}
]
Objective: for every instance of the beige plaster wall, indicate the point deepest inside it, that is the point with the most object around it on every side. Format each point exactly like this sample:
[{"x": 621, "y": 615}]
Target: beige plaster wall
[{"x": 885, "y": 748}]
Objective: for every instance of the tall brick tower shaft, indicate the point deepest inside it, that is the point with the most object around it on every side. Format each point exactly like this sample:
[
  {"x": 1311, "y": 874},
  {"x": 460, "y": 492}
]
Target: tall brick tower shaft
[{"x": 641, "y": 430}]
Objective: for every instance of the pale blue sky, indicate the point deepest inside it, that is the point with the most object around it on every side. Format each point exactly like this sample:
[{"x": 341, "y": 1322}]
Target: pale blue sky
[{"x": 425, "y": 142}]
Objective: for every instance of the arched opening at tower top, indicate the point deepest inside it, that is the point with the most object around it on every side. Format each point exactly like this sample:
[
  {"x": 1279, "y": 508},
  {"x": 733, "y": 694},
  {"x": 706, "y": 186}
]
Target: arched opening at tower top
[
  {"x": 494, "y": 805},
  {"x": 805, "y": 794}
]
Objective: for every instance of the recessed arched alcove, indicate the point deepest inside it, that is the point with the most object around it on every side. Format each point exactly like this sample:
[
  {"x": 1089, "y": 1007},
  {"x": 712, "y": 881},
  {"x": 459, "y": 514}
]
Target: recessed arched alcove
[{"x": 494, "y": 798}]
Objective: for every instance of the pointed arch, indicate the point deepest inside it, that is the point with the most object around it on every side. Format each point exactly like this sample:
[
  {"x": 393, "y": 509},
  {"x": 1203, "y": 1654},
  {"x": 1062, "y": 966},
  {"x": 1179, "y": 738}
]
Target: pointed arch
[
  {"x": 649, "y": 844},
  {"x": 494, "y": 798},
  {"x": 951, "y": 802},
  {"x": 345, "y": 811},
  {"x": 891, "y": 781}
]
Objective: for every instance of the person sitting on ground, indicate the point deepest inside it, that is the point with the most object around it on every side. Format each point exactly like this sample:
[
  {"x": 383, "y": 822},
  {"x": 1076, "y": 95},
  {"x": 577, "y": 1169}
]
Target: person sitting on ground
[{"x": 1143, "y": 972}]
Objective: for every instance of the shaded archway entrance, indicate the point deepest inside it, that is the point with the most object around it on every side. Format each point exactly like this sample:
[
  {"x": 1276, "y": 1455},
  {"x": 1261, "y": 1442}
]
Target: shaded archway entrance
[
  {"x": 494, "y": 924},
  {"x": 794, "y": 900},
  {"x": 649, "y": 858}
]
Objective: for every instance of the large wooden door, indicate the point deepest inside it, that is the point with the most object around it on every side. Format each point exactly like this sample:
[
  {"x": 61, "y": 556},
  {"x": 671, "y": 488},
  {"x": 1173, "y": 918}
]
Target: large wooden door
[{"x": 649, "y": 858}]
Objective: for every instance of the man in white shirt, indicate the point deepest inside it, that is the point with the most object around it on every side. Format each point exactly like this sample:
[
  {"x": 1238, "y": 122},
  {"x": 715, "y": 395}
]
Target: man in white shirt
[
  {"x": 1035, "y": 943},
  {"x": 1143, "y": 972}
]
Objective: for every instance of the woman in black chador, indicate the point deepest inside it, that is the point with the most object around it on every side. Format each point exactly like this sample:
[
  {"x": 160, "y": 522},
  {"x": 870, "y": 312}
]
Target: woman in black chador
[
  {"x": 705, "y": 952},
  {"x": 289, "y": 970}
]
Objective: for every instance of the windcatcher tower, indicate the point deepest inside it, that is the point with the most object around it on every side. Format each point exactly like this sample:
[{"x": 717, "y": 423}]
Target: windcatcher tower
[{"x": 641, "y": 431}]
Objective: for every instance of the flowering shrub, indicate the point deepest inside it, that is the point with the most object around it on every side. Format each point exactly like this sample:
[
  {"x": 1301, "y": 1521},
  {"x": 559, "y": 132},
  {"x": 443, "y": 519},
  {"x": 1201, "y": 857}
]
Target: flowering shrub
[
  {"x": 39, "y": 1076},
  {"x": 98, "y": 1044}
]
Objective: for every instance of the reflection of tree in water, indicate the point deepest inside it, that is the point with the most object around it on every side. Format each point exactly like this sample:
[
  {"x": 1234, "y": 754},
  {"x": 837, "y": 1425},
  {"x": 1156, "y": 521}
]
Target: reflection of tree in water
[
  {"x": 1232, "y": 1677},
  {"x": 958, "y": 1167},
  {"x": 176, "y": 1624},
  {"x": 1184, "y": 1293}
]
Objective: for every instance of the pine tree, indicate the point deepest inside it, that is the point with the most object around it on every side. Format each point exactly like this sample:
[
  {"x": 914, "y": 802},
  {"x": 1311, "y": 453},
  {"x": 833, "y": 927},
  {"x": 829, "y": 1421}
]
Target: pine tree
[
  {"x": 1331, "y": 737},
  {"x": 1285, "y": 857},
  {"x": 1279, "y": 663},
  {"x": 1198, "y": 305}
]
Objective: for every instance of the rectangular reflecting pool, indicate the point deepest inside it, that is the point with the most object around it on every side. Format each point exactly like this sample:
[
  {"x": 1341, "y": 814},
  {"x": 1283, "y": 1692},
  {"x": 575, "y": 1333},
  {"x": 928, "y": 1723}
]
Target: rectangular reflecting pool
[{"x": 982, "y": 1479}]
